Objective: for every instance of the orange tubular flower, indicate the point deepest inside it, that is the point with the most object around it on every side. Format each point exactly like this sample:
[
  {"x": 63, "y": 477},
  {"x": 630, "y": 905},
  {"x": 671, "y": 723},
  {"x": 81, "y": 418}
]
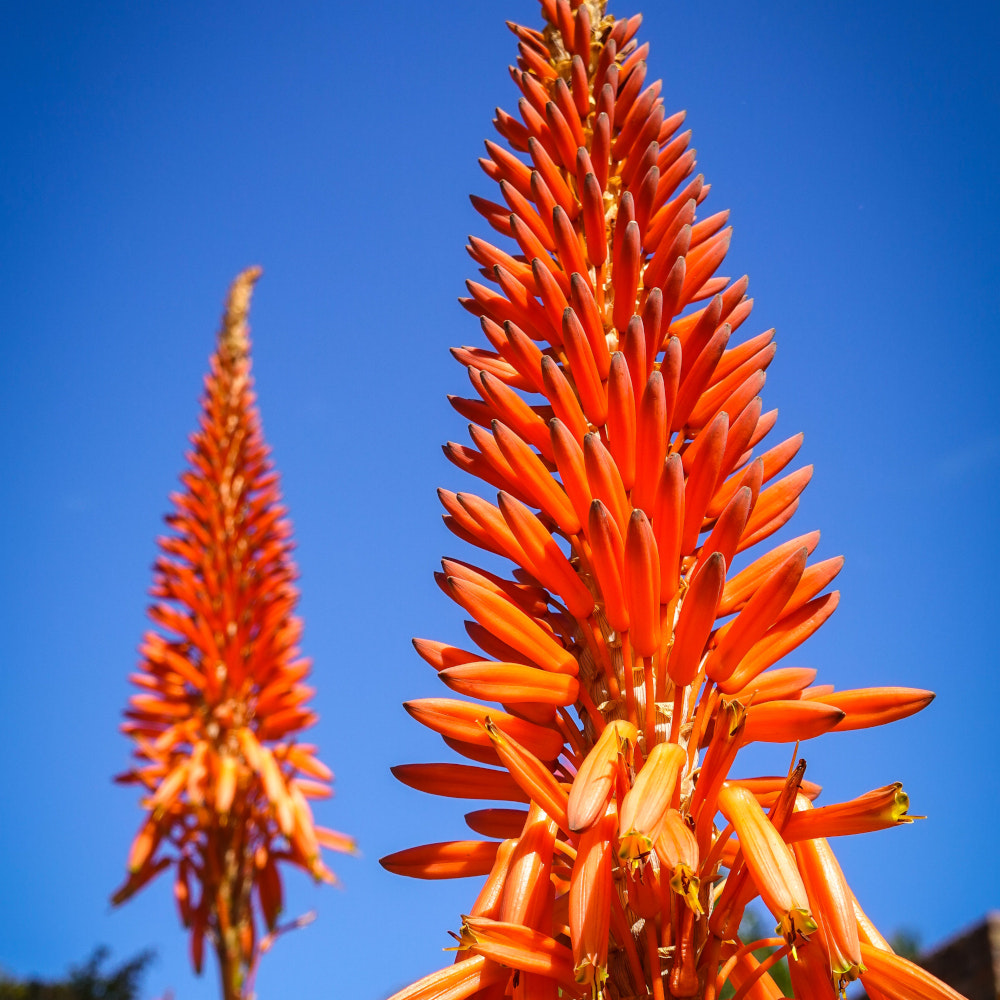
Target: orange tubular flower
[
  {"x": 639, "y": 642},
  {"x": 223, "y": 697}
]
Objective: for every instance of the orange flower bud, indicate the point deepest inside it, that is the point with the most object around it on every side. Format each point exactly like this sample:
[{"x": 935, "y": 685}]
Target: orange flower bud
[
  {"x": 645, "y": 805},
  {"x": 520, "y": 948},
  {"x": 770, "y": 861},
  {"x": 831, "y": 902},
  {"x": 593, "y": 783},
  {"x": 876, "y": 810},
  {"x": 452, "y": 859},
  {"x": 590, "y": 901}
]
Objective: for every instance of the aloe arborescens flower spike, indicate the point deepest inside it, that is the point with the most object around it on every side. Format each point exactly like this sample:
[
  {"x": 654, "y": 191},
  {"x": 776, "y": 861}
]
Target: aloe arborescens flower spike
[
  {"x": 223, "y": 699},
  {"x": 616, "y": 408}
]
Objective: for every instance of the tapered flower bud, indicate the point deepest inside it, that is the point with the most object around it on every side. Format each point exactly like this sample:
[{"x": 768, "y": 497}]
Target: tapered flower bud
[
  {"x": 645, "y": 805},
  {"x": 590, "y": 901},
  {"x": 831, "y": 902},
  {"x": 876, "y": 810},
  {"x": 594, "y": 781}
]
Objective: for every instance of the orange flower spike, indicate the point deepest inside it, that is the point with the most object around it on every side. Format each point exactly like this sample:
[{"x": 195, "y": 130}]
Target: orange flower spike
[
  {"x": 876, "y": 706},
  {"x": 222, "y": 679},
  {"x": 876, "y": 810},
  {"x": 648, "y": 451},
  {"x": 590, "y": 902},
  {"x": 512, "y": 626},
  {"x": 770, "y": 861},
  {"x": 538, "y": 782},
  {"x": 832, "y": 903},
  {"x": 594, "y": 782},
  {"x": 645, "y": 805}
]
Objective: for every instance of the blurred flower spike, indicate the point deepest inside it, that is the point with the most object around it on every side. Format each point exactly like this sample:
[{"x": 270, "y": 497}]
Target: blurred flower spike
[
  {"x": 222, "y": 697},
  {"x": 641, "y": 639}
]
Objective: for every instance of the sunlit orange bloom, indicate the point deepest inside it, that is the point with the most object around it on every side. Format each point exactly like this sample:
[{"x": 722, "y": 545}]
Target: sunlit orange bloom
[
  {"x": 223, "y": 698},
  {"x": 453, "y": 859},
  {"x": 832, "y": 902},
  {"x": 771, "y": 862},
  {"x": 644, "y": 808},
  {"x": 595, "y": 780},
  {"x": 899, "y": 977},
  {"x": 876, "y": 810},
  {"x": 519, "y": 947},
  {"x": 640, "y": 634},
  {"x": 590, "y": 901}
]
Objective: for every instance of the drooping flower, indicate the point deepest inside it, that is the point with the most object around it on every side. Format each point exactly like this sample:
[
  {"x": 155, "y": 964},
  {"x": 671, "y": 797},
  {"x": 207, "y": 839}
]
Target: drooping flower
[
  {"x": 638, "y": 644},
  {"x": 222, "y": 697}
]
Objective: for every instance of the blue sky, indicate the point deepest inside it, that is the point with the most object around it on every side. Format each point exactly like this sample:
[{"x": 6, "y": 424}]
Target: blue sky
[{"x": 151, "y": 151}]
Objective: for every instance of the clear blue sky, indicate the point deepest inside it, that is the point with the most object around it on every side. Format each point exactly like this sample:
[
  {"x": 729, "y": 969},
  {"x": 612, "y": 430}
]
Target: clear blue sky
[{"x": 150, "y": 151}]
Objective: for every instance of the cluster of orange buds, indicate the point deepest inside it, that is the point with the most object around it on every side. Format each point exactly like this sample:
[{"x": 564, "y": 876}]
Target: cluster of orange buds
[
  {"x": 635, "y": 648},
  {"x": 222, "y": 695}
]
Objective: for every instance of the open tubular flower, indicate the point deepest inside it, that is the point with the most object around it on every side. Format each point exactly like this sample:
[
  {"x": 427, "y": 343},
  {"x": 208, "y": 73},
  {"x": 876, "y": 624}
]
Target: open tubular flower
[
  {"x": 640, "y": 641},
  {"x": 222, "y": 696}
]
